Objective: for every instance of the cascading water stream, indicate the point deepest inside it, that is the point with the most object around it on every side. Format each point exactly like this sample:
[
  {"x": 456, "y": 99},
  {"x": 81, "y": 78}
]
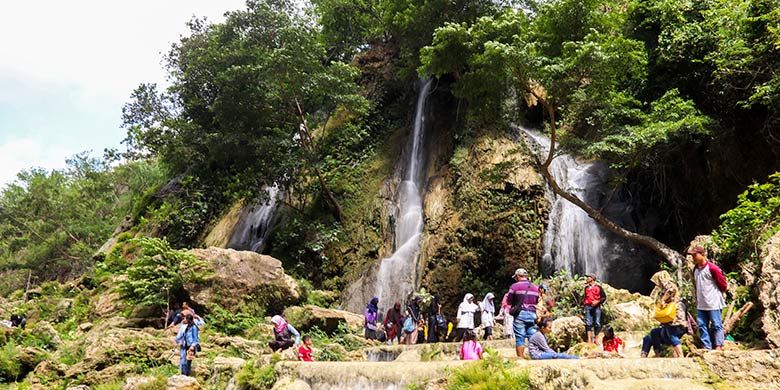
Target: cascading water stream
[
  {"x": 573, "y": 241},
  {"x": 397, "y": 274},
  {"x": 254, "y": 227}
]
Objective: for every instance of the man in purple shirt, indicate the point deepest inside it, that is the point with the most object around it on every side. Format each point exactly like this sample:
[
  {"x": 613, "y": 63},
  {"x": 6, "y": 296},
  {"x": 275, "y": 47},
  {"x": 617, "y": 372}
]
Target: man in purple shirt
[{"x": 523, "y": 296}]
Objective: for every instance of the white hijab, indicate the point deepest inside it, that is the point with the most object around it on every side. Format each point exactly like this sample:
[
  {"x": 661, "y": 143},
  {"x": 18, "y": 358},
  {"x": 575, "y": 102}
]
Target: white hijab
[
  {"x": 487, "y": 303},
  {"x": 466, "y": 312}
]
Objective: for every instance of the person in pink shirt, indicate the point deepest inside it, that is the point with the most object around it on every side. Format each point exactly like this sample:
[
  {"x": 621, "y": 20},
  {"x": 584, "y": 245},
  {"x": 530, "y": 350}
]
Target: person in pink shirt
[{"x": 470, "y": 349}]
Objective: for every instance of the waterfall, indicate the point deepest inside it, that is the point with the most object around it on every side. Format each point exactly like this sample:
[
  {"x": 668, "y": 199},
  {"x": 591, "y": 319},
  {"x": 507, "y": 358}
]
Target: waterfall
[
  {"x": 397, "y": 276},
  {"x": 576, "y": 243},
  {"x": 254, "y": 226}
]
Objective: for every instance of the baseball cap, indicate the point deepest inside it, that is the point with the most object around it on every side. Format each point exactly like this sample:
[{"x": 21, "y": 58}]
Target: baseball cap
[{"x": 521, "y": 272}]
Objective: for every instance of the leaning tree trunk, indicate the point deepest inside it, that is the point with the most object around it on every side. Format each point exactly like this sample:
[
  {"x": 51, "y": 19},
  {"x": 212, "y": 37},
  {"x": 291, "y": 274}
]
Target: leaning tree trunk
[{"x": 671, "y": 256}]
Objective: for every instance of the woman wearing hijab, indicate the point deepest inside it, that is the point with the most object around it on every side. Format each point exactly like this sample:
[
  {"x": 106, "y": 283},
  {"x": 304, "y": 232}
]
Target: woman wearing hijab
[
  {"x": 488, "y": 318},
  {"x": 465, "y": 316},
  {"x": 372, "y": 314},
  {"x": 670, "y": 312},
  {"x": 393, "y": 323},
  {"x": 283, "y": 335},
  {"x": 437, "y": 324}
]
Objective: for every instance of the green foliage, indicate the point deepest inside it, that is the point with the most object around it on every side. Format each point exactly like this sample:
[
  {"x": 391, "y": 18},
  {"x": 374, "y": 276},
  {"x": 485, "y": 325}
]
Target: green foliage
[
  {"x": 232, "y": 323},
  {"x": 746, "y": 227},
  {"x": 159, "y": 383},
  {"x": 255, "y": 376},
  {"x": 52, "y": 222},
  {"x": 158, "y": 272},
  {"x": 330, "y": 353},
  {"x": 10, "y": 367},
  {"x": 491, "y": 373}
]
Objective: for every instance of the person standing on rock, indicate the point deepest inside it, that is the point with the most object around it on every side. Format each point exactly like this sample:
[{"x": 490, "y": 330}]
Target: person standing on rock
[
  {"x": 188, "y": 340},
  {"x": 437, "y": 324},
  {"x": 594, "y": 299},
  {"x": 465, "y": 316},
  {"x": 392, "y": 323},
  {"x": 414, "y": 312},
  {"x": 710, "y": 287},
  {"x": 488, "y": 310},
  {"x": 523, "y": 296},
  {"x": 371, "y": 316},
  {"x": 283, "y": 334}
]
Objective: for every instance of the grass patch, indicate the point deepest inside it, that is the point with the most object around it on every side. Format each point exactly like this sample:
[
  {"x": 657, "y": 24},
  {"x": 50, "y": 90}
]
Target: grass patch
[{"x": 492, "y": 372}]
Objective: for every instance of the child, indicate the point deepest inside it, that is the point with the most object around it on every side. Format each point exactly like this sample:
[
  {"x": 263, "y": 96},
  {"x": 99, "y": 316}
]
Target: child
[
  {"x": 304, "y": 351},
  {"x": 611, "y": 342},
  {"x": 470, "y": 349},
  {"x": 538, "y": 348}
]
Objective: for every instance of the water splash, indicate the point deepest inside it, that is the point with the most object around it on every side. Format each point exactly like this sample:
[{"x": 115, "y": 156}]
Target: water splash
[
  {"x": 573, "y": 241},
  {"x": 254, "y": 226},
  {"x": 397, "y": 276}
]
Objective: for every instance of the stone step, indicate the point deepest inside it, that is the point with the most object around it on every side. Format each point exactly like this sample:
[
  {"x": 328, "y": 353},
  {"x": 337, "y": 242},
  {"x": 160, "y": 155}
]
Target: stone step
[{"x": 584, "y": 373}]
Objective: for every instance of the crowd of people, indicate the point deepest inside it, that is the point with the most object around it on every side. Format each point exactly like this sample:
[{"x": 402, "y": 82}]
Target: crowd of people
[{"x": 526, "y": 312}]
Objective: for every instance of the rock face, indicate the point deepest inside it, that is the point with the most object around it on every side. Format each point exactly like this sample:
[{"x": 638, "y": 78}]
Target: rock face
[
  {"x": 181, "y": 382},
  {"x": 629, "y": 311},
  {"x": 485, "y": 213},
  {"x": 221, "y": 232},
  {"x": 769, "y": 290},
  {"x": 566, "y": 332},
  {"x": 327, "y": 320},
  {"x": 746, "y": 370},
  {"x": 242, "y": 276}
]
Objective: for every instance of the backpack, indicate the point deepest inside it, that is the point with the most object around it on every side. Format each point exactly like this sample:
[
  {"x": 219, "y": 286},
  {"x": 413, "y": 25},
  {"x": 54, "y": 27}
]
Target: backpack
[
  {"x": 409, "y": 325},
  {"x": 441, "y": 321}
]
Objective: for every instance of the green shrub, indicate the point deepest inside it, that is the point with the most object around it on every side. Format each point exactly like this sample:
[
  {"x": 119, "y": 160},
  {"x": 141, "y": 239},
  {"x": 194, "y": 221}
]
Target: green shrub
[
  {"x": 10, "y": 366},
  {"x": 492, "y": 372},
  {"x": 331, "y": 353},
  {"x": 233, "y": 323},
  {"x": 159, "y": 271},
  {"x": 747, "y": 226},
  {"x": 254, "y": 376}
]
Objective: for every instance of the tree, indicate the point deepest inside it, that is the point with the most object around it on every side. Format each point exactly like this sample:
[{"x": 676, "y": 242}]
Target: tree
[
  {"x": 572, "y": 74},
  {"x": 245, "y": 98}
]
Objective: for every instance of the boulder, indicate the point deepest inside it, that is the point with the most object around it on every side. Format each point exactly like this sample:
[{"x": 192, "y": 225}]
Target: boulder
[
  {"x": 230, "y": 364},
  {"x": 45, "y": 331},
  {"x": 181, "y": 382},
  {"x": 566, "y": 332},
  {"x": 79, "y": 387},
  {"x": 85, "y": 327},
  {"x": 306, "y": 317},
  {"x": 768, "y": 289},
  {"x": 139, "y": 382},
  {"x": 746, "y": 370},
  {"x": 290, "y": 383},
  {"x": 631, "y": 316},
  {"x": 105, "y": 347},
  {"x": 107, "y": 304},
  {"x": 238, "y": 277}
]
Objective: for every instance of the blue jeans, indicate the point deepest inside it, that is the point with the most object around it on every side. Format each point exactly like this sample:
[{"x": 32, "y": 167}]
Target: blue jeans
[
  {"x": 593, "y": 319},
  {"x": 556, "y": 355},
  {"x": 665, "y": 335},
  {"x": 524, "y": 326},
  {"x": 707, "y": 318},
  {"x": 185, "y": 366}
]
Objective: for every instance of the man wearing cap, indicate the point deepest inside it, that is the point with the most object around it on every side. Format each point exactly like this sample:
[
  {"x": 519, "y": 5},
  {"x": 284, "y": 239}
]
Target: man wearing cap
[
  {"x": 594, "y": 298},
  {"x": 523, "y": 295},
  {"x": 709, "y": 286}
]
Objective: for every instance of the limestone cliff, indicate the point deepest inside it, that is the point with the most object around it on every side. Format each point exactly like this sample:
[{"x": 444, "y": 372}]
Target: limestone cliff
[{"x": 485, "y": 213}]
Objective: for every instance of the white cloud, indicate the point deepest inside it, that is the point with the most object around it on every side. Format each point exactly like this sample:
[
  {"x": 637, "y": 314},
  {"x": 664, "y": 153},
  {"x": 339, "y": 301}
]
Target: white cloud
[
  {"x": 104, "y": 47},
  {"x": 92, "y": 53},
  {"x": 25, "y": 153}
]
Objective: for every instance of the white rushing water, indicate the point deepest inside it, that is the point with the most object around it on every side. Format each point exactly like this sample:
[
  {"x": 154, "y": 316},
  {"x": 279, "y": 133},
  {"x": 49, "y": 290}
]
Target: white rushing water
[
  {"x": 254, "y": 227},
  {"x": 573, "y": 241},
  {"x": 397, "y": 276}
]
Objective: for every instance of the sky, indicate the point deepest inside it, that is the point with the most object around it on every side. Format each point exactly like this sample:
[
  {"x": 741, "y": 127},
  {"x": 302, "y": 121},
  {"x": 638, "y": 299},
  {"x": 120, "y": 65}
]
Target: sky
[{"x": 67, "y": 67}]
